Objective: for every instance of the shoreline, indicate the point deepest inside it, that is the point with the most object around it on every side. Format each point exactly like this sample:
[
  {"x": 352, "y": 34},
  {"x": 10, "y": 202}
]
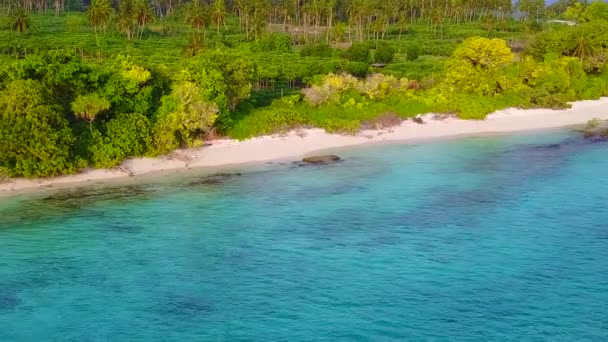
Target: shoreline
[{"x": 298, "y": 143}]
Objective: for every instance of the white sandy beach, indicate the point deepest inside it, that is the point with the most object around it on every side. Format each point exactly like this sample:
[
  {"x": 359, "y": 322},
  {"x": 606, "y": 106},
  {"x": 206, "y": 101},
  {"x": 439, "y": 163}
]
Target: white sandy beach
[{"x": 297, "y": 144}]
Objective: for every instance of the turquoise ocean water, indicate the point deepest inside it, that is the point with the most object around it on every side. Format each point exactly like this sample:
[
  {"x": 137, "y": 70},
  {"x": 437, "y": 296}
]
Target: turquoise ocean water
[{"x": 499, "y": 238}]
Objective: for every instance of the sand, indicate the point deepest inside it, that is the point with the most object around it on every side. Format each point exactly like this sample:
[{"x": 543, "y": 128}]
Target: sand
[{"x": 296, "y": 144}]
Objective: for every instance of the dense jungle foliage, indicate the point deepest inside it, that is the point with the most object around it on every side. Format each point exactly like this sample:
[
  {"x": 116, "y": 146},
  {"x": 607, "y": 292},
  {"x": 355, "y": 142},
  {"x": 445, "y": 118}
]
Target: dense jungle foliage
[{"x": 90, "y": 84}]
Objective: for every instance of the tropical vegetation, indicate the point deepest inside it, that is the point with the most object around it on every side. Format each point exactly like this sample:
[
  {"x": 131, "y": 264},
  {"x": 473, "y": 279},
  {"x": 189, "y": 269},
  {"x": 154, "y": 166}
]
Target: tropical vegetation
[{"x": 91, "y": 84}]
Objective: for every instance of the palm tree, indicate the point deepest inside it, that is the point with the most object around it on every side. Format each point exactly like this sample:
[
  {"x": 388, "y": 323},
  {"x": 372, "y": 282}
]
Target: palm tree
[
  {"x": 196, "y": 15},
  {"x": 219, "y": 14},
  {"x": 20, "y": 21},
  {"x": 195, "y": 45},
  {"x": 126, "y": 18},
  {"x": 143, "y": 15},
  {"x": 99, "y": 15},
  {"x": 583, "y": 48}
]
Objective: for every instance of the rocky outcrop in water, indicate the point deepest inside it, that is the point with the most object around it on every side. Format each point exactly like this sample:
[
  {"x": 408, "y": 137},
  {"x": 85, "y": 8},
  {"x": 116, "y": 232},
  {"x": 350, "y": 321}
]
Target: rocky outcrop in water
[
  {"x": 596, "y": 129},
  {"x": 215, "y": 179},
  {"x": 326, "y": 159}
]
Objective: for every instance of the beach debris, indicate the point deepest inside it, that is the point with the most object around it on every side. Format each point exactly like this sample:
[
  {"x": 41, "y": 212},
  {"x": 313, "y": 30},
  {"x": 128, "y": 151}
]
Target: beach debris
[
  {"x": 442, "y": 117},
  {"x": 418, "y": 119},
  {"x": 183, "y": 156},
  {"x": 325, "y": 159},
  {"x": 125, "y": 170}
]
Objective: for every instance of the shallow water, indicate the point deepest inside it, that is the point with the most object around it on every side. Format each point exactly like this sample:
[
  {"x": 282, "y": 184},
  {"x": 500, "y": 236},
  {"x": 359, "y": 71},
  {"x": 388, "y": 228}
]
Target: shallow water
[{"x": 493, "y": 238}]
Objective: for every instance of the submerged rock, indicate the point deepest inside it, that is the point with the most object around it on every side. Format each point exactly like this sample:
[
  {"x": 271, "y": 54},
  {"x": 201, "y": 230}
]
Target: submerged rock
[
  {"x": 86, "y": 193},
  {"x": 9, "y": 301},
  {"x": 596, "y": 129},
  {"x": 214, "y": 179},
  {"x": 327, "y": 159}
]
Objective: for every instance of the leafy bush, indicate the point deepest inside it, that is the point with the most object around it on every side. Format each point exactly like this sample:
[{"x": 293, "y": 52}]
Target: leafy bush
[
  {"x": 317, "y": 50},
  {"x": 273, "y": 42},
  {"x": 384, "y": 53},
  {"x": 412, "y": 52},
  {"x": 126, "y": 136},
  {"x": 358, "y": 69},
  {"x": 475, "y": 64},
  {"x": 421, "y": 68},
  {"x": 586, "y": 41},
  {"x": 36, "y": 137},
  {"x": 379, "y": 86},
  {"x": 596, "y": 11},
  {"x": 331, "y": 85},
  {"x": 183, "y": 117},
  {"x": 358, "y": 52},
  {"x": 274, "y": 119},
  {"x": 87, "y": 107}
]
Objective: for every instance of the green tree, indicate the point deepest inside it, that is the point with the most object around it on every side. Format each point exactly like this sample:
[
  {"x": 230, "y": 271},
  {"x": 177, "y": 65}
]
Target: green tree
[
  {"x": 574, "y": 11},
  {"x": 484, "y": 53},
  {"x": 88, "y": 107},
  {"x": 183, "y": 117},
  {"x": 228, "y": 76},
  {"x": 474, "y": 65},
  {"x": 60, "y": 72},
  {"x": 36, "y": 137},
  {"x": 596, "y": 11},
  {"x": 133, "y": 88},
  {"x": 127, "y": 135}
]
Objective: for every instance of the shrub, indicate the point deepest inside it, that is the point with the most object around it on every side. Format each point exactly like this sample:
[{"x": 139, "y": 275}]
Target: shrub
[
  {"x": 358, "y": 69},
  {"x": 269, "y": 120},
  {"x": 87, "y": 107},
  {"x": 329, "y": 88},
  {"x": 384, "y": 53},
  {"x": 542, "y": 99},
  {"x": 317, "y": 50},
  {"x": 273, "y": 42},
  {"x": 36, "y": 137},
  {"x": 410, "y": 107},
  {"x": 473, "y": 106},
  {"x": 339, "y": 125},
  {"x": 127, "y": 135},
  {"x": 475, "y": 64},
  {"x": 412, "y": 52},
  {"x": 358, "y": 52},
  {"x": 379, "y": 86},
  {"x": 183, "y": 117}
]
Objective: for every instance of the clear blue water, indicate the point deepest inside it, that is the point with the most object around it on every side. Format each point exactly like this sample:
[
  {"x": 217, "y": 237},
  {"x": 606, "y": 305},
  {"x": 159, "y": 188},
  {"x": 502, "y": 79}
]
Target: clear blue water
[{"x": 491, "y": 238}]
